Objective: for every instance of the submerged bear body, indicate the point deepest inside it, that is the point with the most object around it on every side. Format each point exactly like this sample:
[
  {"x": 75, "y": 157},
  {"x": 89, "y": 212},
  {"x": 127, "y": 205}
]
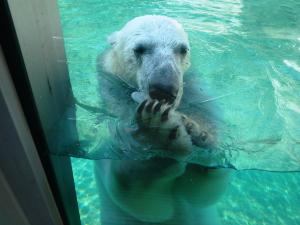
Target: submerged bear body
[{"x": 150, "y": 58}]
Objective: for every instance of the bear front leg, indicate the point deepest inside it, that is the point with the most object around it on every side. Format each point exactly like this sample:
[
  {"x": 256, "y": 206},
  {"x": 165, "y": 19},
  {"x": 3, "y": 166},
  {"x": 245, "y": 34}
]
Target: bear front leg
[
  {"x": 202, "y": 135},
  {"x": 167, "y": 129},
  {"x": 161, "y": 126}
]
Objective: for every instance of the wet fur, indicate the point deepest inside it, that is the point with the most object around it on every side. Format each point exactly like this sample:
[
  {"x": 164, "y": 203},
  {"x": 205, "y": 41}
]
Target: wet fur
[
  {"x": 180, "y": 192},
  {"x": 160, "y": 191}
]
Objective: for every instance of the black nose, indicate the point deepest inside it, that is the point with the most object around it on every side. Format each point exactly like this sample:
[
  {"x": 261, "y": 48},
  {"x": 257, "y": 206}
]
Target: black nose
[{"x": 163, "y": 91}]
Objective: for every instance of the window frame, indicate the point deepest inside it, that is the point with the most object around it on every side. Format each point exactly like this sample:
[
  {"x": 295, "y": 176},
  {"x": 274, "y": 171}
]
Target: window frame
[{"x": 35, "y": 92}]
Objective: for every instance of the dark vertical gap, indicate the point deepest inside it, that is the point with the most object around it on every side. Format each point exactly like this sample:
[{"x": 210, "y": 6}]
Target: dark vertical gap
[{"x": 14, "y": 59}]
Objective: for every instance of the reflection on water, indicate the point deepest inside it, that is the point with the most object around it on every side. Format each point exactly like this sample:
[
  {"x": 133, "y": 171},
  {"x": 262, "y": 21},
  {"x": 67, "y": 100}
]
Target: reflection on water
[
  {"x": 247, "y": 52},
  {"x": 213, "y": 17}
]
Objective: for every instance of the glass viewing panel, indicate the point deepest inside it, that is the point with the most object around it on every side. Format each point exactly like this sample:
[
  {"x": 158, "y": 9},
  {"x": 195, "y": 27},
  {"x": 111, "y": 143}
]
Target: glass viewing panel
[
  {"x": 245, "y": 77},
  {"x": 243, "y": 83}
]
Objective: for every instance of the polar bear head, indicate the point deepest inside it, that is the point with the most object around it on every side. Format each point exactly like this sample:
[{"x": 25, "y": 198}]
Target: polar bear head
[{"x": 151, "y": 53}]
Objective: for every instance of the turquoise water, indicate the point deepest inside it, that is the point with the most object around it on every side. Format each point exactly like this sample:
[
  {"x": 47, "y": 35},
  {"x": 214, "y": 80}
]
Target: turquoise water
[
  {"x": 252, "y": 198},
  {"x": 248, "y": 55}
]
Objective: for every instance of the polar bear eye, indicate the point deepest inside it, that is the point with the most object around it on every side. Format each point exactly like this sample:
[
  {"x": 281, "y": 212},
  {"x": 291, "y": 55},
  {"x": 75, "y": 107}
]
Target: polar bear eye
[
  {"x": 139, "y": 50},
  {"x": 182, "y": 49}
]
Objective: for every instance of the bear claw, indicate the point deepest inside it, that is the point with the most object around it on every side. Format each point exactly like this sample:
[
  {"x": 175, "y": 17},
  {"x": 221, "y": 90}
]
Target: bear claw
[
  {"x": 165, "y": 114},
  {"x": 141, "y": 107},
  {"x": 157, "y": 107},
  {"x": 174, "y": 134},
  {"x": 149, "y": 106}
]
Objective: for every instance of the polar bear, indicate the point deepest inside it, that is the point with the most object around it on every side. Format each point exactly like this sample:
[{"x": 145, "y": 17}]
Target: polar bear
[{"x": 144, "y": 78}]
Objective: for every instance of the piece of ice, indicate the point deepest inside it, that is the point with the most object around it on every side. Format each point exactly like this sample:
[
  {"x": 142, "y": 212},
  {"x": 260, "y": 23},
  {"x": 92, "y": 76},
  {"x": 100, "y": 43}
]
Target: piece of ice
[{"x": 138, "y": 96}]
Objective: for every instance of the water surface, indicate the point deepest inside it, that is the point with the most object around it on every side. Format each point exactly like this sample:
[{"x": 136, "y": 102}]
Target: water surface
[{"x": 247, "y": 52}]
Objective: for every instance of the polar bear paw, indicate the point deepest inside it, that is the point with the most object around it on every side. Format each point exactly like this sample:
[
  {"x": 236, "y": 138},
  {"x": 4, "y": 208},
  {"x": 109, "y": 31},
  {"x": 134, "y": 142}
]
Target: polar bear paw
[
  {"x": 200, "y": 136},
  {"x": 163, "y": 126},
  {"x": 168, "y": 129}
]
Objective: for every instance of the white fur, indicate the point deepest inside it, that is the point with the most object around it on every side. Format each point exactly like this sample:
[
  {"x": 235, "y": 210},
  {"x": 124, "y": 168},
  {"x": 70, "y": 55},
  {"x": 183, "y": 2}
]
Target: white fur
[
  {"x": 162, "y": 31},
  {"x": 180, "y": 194}
]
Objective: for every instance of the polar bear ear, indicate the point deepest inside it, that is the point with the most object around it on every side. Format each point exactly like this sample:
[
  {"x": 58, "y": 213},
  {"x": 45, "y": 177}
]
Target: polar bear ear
[{"x": 112, "y": 39}]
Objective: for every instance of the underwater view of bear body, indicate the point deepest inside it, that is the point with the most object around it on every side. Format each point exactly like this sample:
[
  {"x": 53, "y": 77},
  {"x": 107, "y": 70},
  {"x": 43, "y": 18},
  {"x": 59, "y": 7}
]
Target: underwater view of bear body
[{"x": 245, "y": 55}]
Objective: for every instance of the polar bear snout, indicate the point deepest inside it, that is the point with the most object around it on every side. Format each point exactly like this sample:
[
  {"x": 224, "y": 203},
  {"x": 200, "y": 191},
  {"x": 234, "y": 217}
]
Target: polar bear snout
[
  {"x": 151, "y": 54},
  {"x": 164, "y": 83}
]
